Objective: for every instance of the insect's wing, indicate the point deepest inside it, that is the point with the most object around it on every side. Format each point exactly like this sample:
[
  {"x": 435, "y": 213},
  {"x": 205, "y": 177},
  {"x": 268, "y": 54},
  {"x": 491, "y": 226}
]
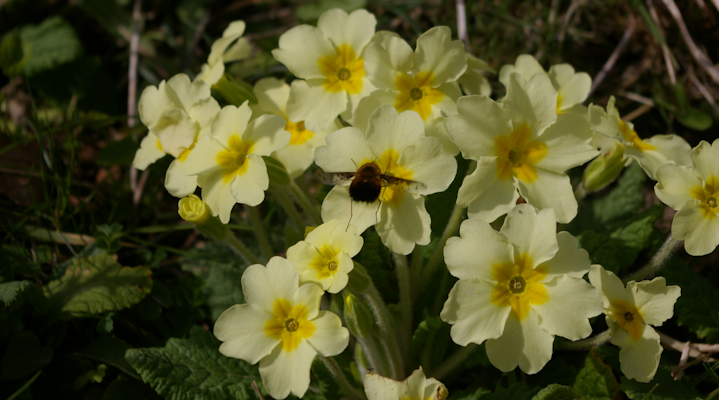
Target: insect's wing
[
  {"x": 333, "y": 178},
  {"x": 406, "y": 184}
]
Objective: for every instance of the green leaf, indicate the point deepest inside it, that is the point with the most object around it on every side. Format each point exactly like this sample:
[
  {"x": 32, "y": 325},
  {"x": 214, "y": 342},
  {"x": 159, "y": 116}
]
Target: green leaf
[
  {"x": 694, "y": 119},
  {"x": 515, "y": 391},
  {"x": 697, "y": 307},
  {"x": 51, "y": 43},
  {"x": 470, "y": 394},
  {"x": 603, "y": 250},
  {"x": 667, "y": 388},
  {"x": 118, "y": 153},
  {"x": 554, "y": 392},
  {"x": 19, "y": 291},
  {"x": 95, "y": 285},
  {"x": 124, "y": 388},
  {"x": 623, "y": 200},
  {"x": 276, "y": 171},
  {"x": 193, "y": 369},
  {"x": 222, "y": 270},
  {"x": 595, "y": 379},
  {"x": 109, "y": 350},
  {"x": 234, "y": 91},
  {"x": 24, "y": 356},
  {"x": 108, "y": 237},
  {"x": 327, "y": 385},
  {"x": 12, "y": 55},
  {"x": 375, "y": 257},
  {"x": 429, "y": 342}
]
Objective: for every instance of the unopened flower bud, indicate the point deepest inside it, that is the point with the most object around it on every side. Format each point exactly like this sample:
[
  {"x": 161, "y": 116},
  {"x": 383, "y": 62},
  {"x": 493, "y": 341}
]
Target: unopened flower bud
[
  {"x": 192, "y": 209},
  {"x": 604, "y": 169},
  {"x": 358, "y": 316}
]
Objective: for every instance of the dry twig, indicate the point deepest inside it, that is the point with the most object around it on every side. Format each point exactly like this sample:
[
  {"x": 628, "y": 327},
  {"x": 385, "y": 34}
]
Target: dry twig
[{"x": 615, "y": 54}]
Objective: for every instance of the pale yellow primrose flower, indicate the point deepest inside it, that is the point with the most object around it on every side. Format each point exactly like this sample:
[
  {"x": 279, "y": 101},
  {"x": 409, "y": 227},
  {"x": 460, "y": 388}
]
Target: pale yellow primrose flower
[
  {"x": 281, "y": 326},
  {"x": 415, "y": 387},
  {"x": 518, "y": 288},
  {"x": 423, "y": 80},
  {"x": 473, "y": 80},
  {"x": 694, "y": 193},
  {"x": 213, "y": 70},
  {"x": 630, "y": 314},
  {"x": 177, "y": 113},
  {"x": 519, "y": 144},
  {"x": 325, "y": 256},
  {"x": 572, "y": 87},
  {"x": 229, "y": 161},
  {"x": 651, "y": 154},
  {"x": 397, "y": 145},
  {"x": 272, "y": 95},
  {"x": 330, "y": 59}
]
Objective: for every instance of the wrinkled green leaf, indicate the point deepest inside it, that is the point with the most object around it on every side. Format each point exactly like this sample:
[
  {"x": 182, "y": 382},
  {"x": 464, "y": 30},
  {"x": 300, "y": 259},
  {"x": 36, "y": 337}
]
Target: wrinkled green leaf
[
  {"x": 235, "y": 91},
  {"x": 375, "y": 257},
  {"x": 95, "y": 285},
  {"x": 51, "y": 43},
  {"x": 194, "y": 369},
  {"x": 109, "y": 350},
  {"x": 668, "y": 388},
  {"x": 18, "y": 291},
  {"x": 698, "y": 306},
  {"x": 24, "y": 355},
  {"x": 431, "y": 334},
  {"x": 554, "y": 392},
  {"x": 108, "y": 237},
  {"x": 328, "y": 387},
  {"x": 595, "y": 379}
]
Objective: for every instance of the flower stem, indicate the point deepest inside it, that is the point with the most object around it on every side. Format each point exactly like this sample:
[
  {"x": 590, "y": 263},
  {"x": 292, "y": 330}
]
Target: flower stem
[
  {"x": 405, "y": 304},
  {"x": 290, "y": 209},
  {"x": 305, "y": 202},
  {"x": 659, "y": 259},
  {"x": 260, "y": 232},
  {"x": 341, "y": 379},
  {"x": 240, "y": 248},
  {"x": 436, "y": 258},
  {"x": 453, "y": 362},
  {"x": 584, "y": 344},
  {"x": 25, "y": 386}
]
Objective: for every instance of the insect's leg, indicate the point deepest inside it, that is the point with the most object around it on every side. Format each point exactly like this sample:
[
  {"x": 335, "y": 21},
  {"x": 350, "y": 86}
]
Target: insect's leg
[
  {"x": 348, "y": 222},
  {"x": 379, "y": 203}
]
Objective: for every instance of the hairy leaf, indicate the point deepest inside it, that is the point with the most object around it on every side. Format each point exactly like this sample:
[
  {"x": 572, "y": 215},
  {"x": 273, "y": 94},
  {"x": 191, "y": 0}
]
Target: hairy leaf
[
  {"x": 666, "y": 388},
  {"x": 554, "y": 392},
  {"x": 194, "y": 369},
  {"x": 51, "y": 43},
  {"x": 595, "y": 379},
  {"x": 97, "y": 284}
]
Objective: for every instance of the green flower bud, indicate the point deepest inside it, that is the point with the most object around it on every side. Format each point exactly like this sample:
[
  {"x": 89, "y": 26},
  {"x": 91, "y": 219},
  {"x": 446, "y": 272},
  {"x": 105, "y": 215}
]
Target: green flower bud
[
  {"x": 358, "y": 316},
  {"x": 604, "y": 169},
  {"x": 192, "y": 209}
]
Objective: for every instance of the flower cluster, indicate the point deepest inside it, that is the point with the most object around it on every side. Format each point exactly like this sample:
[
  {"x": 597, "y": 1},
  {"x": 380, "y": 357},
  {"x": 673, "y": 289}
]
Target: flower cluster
[{"x": 384, "y": 123}]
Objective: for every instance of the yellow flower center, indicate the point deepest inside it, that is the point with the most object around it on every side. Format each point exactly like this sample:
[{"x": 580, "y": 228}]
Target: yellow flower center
[
  {"x": 517, "y": 153},
  {"x": 289, "y": 324},
  {"x": 392, "y": 194},
  {"x": 159, "y": 145},
  {"x": 519, "y": 285},
  {"x": 299, "y": 133},
  {"x": 628, "y": 317},
  {"x": 233, "y": 160},
  {"x": 709, "y": 197},
  {"x": 631, "y": 137},
  {"x": 184, "y": 154},
  {"x": 416, "y": 93},
  {"x": 559, "y": 104},
  {"x": 325, "y": 263},
  {"x": 343, "y": 71}
]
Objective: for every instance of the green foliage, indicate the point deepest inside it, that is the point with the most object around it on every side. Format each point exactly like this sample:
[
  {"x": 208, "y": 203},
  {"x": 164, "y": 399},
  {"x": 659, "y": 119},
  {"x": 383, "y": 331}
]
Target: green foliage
[
  {"x": 595, "y": 380},
  {"x": 698, "y": 296},
  {"x": 49, "y": 44},
  {"x": 118, "y": 153},
  {"x": 97, "y": 284},
  {"x": 515, "y": 391},
  {"x": 193, "y": 368},
  {"x": 328, "y": 387},
  {"x": 109, "y": 350},
  {"x": 222, "y": 271},
  {"x": 429, "y": 342},
  {"x": 24, "y": 355},
  {"x": 554, "y": 392},
  {"x": 666, "y": 388},
  {"x": 235, "y": 91},
  {"x": 312, "y": 11},
  {"x": 375, "y": 257},
  {"x": 276, "y": 171},
  {"x": 675, "y": 100},
  {"x": 108, "y": 236},
  {"x": 12, "y": 56},
  {"x": 620, "y": 248}
]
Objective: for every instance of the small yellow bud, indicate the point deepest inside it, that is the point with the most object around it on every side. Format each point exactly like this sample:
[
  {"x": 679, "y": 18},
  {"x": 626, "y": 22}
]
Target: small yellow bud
[{"x": 193, "y": 209}]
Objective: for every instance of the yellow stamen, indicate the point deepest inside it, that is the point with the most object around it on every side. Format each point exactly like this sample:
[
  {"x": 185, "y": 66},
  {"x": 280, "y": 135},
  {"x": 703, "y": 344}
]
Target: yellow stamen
[
  {"x": 519, "y": 285},
  {"x": 628, "y": 317},
  {"x": 709, "y": 197},
  {"x": 343, "y": 71},
  {"x": 289, "y": 323},
  {"x": 517, "y": 153},
  {"x": 299, "y": 133},
  {"x": 416, "y": 93},
  {"x": 631, "y": 137},
  {"x": 325, "y": 263},
  {"x": 233, "y": 161}
]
